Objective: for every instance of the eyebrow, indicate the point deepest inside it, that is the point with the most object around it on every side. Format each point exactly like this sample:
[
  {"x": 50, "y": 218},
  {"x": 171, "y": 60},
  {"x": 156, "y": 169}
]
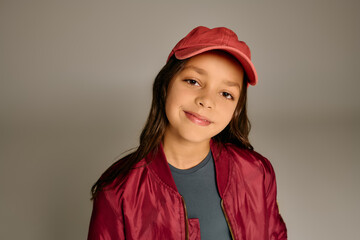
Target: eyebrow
[
  {"x": 232, "y": 84},
  {"x": 203, "y": 72},
  {"x": 196, "y": 69}
]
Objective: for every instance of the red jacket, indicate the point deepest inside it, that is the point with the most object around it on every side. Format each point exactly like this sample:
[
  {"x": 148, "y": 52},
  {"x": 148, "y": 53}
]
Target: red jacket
[{"x": 147, "y": 204}]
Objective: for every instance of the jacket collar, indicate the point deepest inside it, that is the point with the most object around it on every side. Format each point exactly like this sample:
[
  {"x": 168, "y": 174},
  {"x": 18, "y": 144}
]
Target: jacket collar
[{"x": 158, "y": 164}]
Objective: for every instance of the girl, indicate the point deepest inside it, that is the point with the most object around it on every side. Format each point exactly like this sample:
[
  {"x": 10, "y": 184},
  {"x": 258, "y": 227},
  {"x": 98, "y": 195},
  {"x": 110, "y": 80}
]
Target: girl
[{"x": 195, "y": 174}]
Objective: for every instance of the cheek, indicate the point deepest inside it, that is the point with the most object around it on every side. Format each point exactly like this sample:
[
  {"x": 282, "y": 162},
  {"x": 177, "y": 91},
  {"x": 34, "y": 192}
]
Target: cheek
[
  {"x": 172, "y": 106},
  {"x": 179, "y": 96},
  {"x": 170, "y": 99},
  {"x": 168, "y": 107},
  {"x": 227, "y": 112}
]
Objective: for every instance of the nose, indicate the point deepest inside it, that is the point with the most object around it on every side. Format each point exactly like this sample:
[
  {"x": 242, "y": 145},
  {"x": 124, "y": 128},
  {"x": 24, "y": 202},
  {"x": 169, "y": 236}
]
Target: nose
[{"x": 205, "y": 101}]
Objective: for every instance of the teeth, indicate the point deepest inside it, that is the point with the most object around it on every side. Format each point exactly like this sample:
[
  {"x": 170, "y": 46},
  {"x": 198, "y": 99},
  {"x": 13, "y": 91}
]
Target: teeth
[{"x": 200, "y": 118}]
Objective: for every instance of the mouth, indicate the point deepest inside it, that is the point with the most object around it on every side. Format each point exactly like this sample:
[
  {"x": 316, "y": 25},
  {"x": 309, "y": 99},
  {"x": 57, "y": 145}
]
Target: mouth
[{"x": 197, "y": 119}]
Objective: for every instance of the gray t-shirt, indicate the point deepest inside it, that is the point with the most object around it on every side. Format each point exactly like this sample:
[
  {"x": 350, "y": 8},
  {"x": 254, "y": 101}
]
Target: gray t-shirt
[{"x": 198, "y": 187}]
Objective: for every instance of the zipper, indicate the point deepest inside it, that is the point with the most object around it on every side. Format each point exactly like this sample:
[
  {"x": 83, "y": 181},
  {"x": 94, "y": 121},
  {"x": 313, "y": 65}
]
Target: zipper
[
  {"x": 227, "y": 220},
  {"x": 186, "y": 220}
]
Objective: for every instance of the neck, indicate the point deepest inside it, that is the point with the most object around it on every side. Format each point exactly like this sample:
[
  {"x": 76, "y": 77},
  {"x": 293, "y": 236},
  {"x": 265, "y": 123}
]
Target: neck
[{"x": 184, "y": 154}]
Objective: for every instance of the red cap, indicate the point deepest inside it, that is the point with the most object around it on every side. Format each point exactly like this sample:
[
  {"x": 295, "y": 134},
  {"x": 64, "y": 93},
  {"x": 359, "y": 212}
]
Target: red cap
[{"x": 202, "y": 39}]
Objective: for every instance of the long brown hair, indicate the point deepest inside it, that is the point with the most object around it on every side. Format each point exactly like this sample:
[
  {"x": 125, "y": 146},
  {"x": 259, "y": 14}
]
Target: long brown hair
[{"x": 236, "y": 132}]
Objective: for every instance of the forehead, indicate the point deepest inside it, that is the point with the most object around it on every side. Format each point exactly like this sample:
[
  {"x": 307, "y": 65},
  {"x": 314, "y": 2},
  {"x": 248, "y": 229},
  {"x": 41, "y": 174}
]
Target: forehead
[{"x": 216, "y": 63}]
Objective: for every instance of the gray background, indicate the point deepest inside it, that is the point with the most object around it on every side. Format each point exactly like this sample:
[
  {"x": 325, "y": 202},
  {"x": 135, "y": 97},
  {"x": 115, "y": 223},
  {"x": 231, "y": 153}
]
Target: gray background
[{"x": 75, "y": 89}]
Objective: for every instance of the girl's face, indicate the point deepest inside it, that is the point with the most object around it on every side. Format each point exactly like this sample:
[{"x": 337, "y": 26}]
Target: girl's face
[{"x": 202, "y": 97}]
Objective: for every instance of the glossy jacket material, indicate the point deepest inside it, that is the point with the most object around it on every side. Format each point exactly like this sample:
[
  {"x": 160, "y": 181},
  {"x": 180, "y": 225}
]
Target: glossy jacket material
[{"x": 147, "y": 205}]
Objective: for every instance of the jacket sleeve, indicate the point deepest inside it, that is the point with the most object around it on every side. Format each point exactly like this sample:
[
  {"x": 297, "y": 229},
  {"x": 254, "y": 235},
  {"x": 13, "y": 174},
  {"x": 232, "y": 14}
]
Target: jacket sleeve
[
  {"x": 277, "y": 227},
  {"x": 105, "y": 223}
]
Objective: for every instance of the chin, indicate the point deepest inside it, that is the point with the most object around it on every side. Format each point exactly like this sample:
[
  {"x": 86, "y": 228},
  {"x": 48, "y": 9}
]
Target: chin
[{"x": 196, "y": 137}]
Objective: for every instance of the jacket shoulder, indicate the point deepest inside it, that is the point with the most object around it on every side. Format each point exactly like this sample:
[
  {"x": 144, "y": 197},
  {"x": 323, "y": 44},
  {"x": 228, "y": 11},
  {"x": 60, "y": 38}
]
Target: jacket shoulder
[
  {"x": 248, "y": 155},
  {"x": 253, "y": 160},
  {"x": 115, "y": 190}
]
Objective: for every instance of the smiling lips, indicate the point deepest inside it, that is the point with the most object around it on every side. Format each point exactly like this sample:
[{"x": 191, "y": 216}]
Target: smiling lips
[{"x": 197, "y": 119}]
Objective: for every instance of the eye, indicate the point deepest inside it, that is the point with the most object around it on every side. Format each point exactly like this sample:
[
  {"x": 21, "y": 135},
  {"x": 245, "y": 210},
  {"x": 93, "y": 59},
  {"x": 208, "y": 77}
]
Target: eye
[
  {"x": 192, "y": 82},
  {"x": 227, "y": 95}
]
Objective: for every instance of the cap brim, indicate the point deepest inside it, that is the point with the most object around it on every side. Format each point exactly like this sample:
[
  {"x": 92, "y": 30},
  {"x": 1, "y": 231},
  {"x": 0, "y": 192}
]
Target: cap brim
[{"x": 241, "y": 57}]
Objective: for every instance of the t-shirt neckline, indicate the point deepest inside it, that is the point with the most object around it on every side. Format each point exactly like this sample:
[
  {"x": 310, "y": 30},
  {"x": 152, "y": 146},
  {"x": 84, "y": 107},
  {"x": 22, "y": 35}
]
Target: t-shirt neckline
[{"x": 193, "y": 169}]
